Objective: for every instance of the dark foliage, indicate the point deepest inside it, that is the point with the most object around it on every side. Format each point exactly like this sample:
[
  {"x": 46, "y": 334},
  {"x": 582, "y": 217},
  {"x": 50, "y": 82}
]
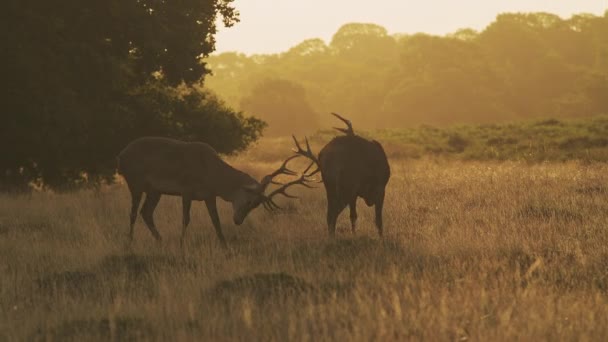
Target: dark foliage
[{"x": 81, "y": 80}]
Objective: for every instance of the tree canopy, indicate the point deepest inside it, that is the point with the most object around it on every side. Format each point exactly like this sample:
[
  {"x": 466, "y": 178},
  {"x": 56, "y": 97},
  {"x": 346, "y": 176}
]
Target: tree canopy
[
  {"x": 82, "y": 79},
  {"x": 284, "y": 104},
  {"x": 523, "y": 65}
]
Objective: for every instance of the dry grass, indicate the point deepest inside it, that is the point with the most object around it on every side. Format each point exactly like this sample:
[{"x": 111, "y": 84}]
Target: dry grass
[{"x": 477, "y": 250}]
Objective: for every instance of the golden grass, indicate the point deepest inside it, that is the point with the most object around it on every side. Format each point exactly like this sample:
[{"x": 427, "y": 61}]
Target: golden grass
[{"x": 473, "y": 250}]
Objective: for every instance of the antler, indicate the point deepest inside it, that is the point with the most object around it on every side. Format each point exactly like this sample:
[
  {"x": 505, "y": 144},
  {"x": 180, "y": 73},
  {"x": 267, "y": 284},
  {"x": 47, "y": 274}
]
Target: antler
[
  {"x": 347, "y": 131},
  {"x": 302, "y": 180},
  {"x": 282, "y": 170},
  {"x": 271, "y": 205},
  {"x": 308, "y": 154}
]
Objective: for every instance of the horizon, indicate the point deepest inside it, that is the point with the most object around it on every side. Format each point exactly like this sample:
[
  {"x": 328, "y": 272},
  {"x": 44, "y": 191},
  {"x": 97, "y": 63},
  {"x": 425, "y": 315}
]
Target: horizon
[{"x": 398, "y": 17}]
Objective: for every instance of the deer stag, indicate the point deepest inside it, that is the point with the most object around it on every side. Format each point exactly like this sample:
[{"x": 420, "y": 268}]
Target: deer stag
[
  {"x": 193, "y": 170},
  {"x": 351, "y": 167}
]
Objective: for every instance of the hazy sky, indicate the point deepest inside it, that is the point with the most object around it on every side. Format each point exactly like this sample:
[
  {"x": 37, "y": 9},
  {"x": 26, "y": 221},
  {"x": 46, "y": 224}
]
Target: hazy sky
[{"x": 276, "y": 25}]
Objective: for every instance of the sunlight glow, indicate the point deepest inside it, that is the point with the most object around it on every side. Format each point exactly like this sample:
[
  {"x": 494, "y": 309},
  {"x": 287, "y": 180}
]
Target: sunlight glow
[{"x": 269, "y": 26}]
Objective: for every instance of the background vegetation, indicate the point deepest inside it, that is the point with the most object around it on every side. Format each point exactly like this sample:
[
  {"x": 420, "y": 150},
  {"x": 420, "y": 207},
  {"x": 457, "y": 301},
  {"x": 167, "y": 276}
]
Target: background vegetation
[
  {"x": 522, "y": 66},
  {"x": 532, "y": 141},
  {"x": 77, "y": 92}
]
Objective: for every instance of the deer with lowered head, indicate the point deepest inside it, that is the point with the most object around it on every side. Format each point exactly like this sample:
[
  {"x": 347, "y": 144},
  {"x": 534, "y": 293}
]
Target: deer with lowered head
[
  {"x": 351, "y": 167},
  {"x": 193, "y": 170}
]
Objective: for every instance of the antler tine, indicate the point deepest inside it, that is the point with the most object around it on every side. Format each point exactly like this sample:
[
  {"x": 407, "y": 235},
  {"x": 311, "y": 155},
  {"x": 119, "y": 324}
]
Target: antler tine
[
  {"x": 281, "y": 170},
  {"x": 347, "y": 131},
  {"x": 284, "y": 170},
  {"x": 298, "y": 148},
  {"x": 307, "y": 145},
  {"x": 308, "y": 168},
  {"x": 308, "y": 154},
  {"x": 270, "y": 205},
  {"x": 300, "y": 151},
  {"x": 273, "y": 206},
  {"x": 317, "y": 170},
  {"x": 282, "y": 190}
]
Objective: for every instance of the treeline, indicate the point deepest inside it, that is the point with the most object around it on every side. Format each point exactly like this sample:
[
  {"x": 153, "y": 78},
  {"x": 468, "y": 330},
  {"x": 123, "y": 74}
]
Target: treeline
[
  {"x": 521, "y": 66},
  {"x": 82, "y": 79}
]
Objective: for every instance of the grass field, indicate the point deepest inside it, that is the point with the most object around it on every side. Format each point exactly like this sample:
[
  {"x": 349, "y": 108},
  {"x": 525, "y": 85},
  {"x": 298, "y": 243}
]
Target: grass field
[{"x": 472, "y": 251}]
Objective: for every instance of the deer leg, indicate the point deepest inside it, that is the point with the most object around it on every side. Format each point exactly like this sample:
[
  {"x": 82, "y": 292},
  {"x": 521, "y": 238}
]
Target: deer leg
[
  {"x": 135, "y": 200},
  {"x": 215, "y": 219},
  {"x": 186, "y": 204},
  {"x": 334, "y": 208},
  {"x": 378, "y": 208},
  {"x": 147, "y": 212},
  {"x": 353, "y": 214}
]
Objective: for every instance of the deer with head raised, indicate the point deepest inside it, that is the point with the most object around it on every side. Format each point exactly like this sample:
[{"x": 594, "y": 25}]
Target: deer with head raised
[
  {"x": 193, "y": 170},
  {"x": 351, "y": 167}
]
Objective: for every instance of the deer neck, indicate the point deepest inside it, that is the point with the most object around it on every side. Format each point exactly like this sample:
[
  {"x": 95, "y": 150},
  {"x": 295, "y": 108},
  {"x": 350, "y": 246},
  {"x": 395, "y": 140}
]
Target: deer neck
[{"x": 234, "y": 180}]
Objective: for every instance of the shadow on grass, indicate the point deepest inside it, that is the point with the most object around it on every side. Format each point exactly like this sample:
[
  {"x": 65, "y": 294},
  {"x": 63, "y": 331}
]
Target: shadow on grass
[
  {"x": 131, "y": 275},
  {"x": 119, "y": 329},
  {"x": 275, "y": 288},
  {"x": 354, "y": 255},
  {"x": 546, "y": 213},
  {"x": 363, "y": 246},
  {"x": 591, "y": 190},
  {"x": 26, "y": 227},
  {"x": 72, "y": 283},
  {"x": 254, "y": 301},
  {"x": 143, "y": 265},
  {"x": 262, "y": 287}
]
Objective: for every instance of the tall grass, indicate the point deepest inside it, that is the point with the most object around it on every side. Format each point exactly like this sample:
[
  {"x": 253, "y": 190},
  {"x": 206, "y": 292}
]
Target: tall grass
[{"x": 473, "y": 250}]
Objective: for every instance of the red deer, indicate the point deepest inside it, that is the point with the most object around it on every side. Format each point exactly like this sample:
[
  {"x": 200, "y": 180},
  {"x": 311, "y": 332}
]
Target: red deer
[
  {"x": 193, "y": 170},
  {"x": 351, "y": 167}
]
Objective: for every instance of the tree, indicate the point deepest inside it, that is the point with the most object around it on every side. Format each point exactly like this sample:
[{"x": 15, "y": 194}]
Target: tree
[
  {"x": 308, "y": 48},
  {"x": 83, "y": 79},
  {"x": 230, "y": 69},
  {"x": 284, "y": 105},
  {"x": 523, "y": 65},
  {"x": 442, "y": 80},
  {"x": 367, "y": 43}
]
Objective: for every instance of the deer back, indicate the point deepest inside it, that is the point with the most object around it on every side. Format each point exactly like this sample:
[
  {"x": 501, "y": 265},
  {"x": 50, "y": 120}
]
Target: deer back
[
  {"x": 177, "y": 167},
  {"x": 356, "y": 164}
]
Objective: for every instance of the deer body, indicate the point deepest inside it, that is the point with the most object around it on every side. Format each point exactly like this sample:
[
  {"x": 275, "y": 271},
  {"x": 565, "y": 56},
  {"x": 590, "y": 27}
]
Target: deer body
[
  {"x": 351, "y": 167},
  {"x": 193, "y": 170},
  {"x": 176, "y": 168}
]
